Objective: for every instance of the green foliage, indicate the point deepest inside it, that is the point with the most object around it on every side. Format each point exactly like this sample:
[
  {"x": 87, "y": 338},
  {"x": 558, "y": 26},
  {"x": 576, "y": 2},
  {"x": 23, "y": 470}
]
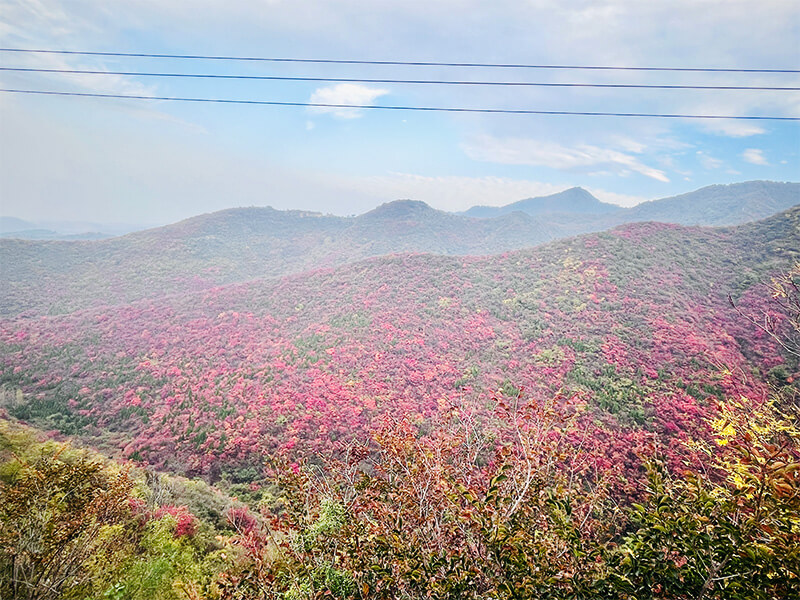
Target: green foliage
[
  {"x": 612, "y": 392},
  {"x": 730, "y": 533},
  {"x": 54, "y": 508},
  {"x": 76, "y": 526},
  {"x": 156, "y": 566},
  {"x": 331, "y": 518}
]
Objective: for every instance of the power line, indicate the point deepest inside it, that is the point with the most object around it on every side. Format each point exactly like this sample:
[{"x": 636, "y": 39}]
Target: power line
[
  {"x": 397, "y": 62},
  {"x": 400, "y": 108},
  {"x": 401, "y": 81}
]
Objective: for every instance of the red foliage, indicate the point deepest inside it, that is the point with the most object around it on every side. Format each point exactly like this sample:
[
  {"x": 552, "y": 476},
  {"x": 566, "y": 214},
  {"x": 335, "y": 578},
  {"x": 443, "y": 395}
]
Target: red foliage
[
  {"x": 203, "y": 383},
  {"x": 185, "y": 522}
]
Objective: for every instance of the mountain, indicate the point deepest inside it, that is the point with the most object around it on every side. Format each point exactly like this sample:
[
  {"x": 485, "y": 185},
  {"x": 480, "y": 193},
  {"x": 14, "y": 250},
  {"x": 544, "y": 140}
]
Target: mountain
[
  {"x": 719, "y": 205},
  {"x": 577, "y": 211},
  {"x": 12, "y": 224},
  {"x": 634, "y": 323},
  {"x": 573, "y": 201},
  {"x": 11, "y": 227},
  {"x": 413, "y": 226},
  {"x": 49, "y": 234},
  {"x": 241, "y": 244},
  {"x": 237, "y": 245}
]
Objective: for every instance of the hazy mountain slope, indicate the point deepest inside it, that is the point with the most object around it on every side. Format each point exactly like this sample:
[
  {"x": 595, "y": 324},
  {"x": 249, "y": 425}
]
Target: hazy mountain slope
[
  {"x": 716, "y": 205},
  {"x": 208, "y": 250},
  {"x": 48, "y": 277},
  {"x": 413, "y": 226},
  {"x": 633, "y": 322},
  {"x": 11, "y": 227},
  {"x": 11, "y": 224},
  {"x": 719, "y": 205},
  {"x": 237, "y": 245},
  {"x": 573, "y": 201},
  {"x": 49, "y": 234}
]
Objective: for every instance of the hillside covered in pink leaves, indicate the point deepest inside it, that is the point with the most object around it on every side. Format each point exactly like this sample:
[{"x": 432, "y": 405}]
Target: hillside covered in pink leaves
[{"x": 633, "y": 326}]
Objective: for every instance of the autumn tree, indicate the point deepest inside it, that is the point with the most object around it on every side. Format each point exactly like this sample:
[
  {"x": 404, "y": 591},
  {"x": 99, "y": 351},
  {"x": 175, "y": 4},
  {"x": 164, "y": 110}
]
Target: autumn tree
[{"x": 53, "y": 512}]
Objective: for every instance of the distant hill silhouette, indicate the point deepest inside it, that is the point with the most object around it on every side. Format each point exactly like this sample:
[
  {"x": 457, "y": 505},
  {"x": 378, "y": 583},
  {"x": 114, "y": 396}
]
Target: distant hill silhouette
[
  {"x": 12, "y": 224},
  {"x": 719, "y": 205}
]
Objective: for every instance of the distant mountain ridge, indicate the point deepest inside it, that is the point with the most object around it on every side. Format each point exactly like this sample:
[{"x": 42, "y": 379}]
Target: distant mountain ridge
[
  {"x": 715, "y": 205},
  {"x": 720, "y": 205},
  {"x": 12, "y": 227},
  {"x": 12, "y": 224},
  {"x": 241, "y": 244},
  {"x": 574, "y": 200}
]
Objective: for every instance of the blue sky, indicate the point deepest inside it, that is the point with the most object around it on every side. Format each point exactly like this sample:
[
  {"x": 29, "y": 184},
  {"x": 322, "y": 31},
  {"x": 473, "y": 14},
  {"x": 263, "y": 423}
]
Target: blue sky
[{"x": 155, "y": 162}]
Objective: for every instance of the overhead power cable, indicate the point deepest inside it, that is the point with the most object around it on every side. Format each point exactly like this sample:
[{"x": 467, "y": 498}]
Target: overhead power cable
[
  {"x": 400, "y": 81},
  {"x": 402, "y": 108},
  {"x": 396, "y": 62}
]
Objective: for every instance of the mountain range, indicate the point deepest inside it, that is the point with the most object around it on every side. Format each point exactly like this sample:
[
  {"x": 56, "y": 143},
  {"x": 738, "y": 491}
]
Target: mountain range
[
  {"x": 234, "y": 245},
  {"x": 717, "y": 205},
  {"x": 12, "y": 227}
]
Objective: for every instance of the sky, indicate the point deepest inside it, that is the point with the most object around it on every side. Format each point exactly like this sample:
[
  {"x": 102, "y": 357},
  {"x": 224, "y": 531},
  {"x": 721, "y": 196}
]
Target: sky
[{"x": 154, "y": 162}]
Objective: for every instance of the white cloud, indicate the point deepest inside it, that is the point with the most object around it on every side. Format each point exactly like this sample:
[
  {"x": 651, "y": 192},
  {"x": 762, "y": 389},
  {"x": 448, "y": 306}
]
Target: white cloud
[
  {"x": 732, "y": 128},
  {"x": 344, "y": 93},
  {"x": 708, "y": 161},
  {"x": 755, "y": 156},
  {"x": 629, "y": 145},
  {"x": 527, "y": 151}
]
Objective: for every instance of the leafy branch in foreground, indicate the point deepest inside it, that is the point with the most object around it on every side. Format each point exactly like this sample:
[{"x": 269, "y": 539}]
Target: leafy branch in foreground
[
  {"x": 408, "y": 517},
  {"x": 732, "y": 531}
]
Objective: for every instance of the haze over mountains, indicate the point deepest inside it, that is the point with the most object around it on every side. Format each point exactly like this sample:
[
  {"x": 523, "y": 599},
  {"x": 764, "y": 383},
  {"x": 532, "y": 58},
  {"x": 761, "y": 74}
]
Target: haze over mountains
[
  {"x": 52, "y": 277},
  {"x": 717, "y": 205},
  {"x": 12, "y": 227}
]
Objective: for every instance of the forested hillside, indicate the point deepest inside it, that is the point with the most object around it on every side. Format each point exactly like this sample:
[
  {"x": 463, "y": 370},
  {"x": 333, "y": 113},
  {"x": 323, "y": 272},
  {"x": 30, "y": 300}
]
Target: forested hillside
[
  {"x": 635, "y": 322},
  {"x": 606, "y": 416}
]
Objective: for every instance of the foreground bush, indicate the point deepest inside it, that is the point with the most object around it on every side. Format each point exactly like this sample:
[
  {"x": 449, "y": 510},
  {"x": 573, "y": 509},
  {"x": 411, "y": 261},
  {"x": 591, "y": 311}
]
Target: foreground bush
[
  {"x": 421, "y": 518},
  {"x": 75, "y": 526}
]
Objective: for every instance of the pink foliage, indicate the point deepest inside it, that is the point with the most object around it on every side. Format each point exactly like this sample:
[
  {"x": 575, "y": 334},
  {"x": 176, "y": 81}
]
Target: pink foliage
[
  {"x": 293, "y": 367},
  {"x": 185, "y": 522}
]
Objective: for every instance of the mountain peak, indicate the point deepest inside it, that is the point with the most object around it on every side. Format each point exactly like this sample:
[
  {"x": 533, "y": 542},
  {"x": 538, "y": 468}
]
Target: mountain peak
[
  {"x": 400, "y": 209},
  {"x": 573, "y": 200}
]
